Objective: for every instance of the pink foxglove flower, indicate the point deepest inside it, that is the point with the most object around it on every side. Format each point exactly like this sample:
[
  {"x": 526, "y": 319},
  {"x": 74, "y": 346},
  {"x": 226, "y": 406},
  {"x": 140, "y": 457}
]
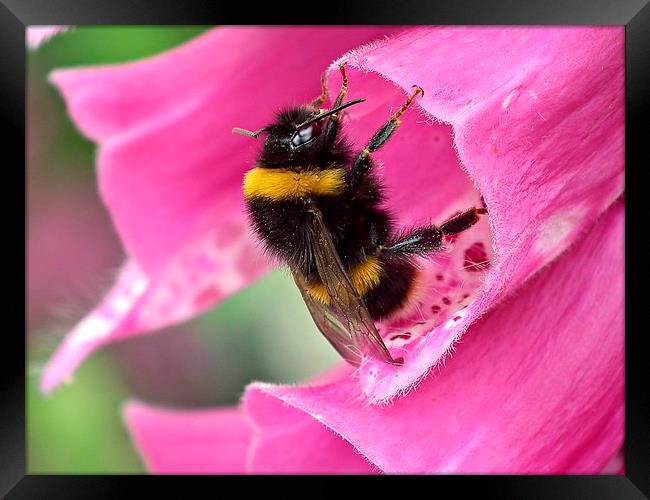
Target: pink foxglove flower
[{"x": 513, "y": 357}]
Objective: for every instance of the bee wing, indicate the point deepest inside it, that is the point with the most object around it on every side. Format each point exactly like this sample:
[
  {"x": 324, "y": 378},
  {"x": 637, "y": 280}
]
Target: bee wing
[
  {"x": 329, "y": 325},
  {"x": 345, "y": 322}
]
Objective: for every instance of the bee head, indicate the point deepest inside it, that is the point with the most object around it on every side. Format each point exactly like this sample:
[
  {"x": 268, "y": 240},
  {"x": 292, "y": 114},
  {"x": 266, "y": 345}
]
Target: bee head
[{"x": 299, "y": 136}]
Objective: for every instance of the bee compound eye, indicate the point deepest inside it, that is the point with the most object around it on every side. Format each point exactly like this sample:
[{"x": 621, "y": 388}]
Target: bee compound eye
[{"x": 302, "y": 136}]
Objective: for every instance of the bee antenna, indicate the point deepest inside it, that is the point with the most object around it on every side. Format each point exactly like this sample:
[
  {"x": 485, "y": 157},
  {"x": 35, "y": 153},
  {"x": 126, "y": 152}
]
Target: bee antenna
[
  {"x": 248, "y": 133},
  {"x": 329, "y": 112}
]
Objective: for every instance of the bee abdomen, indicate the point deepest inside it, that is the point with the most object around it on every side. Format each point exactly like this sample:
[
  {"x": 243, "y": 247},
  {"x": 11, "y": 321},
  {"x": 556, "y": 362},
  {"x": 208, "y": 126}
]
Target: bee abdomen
[
  {"x": 364, "y": 276},
  {"x": 394, "y": 291},
  {"x": 385, "y": 284}
]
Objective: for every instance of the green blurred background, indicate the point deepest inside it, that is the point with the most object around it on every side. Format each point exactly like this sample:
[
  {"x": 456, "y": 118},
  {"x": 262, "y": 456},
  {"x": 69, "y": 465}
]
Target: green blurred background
[{"x": 263, "y": 333}]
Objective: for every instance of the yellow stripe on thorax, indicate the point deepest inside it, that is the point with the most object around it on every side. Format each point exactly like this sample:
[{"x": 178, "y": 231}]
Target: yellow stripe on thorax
[
  {"x": 364, "y": 277},
  {"x": 284, "y": 184}
]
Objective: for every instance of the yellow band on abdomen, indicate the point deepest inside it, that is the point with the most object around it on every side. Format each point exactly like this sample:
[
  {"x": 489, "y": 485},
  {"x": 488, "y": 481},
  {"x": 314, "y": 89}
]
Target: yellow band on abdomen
[
  {"x": 284, "y": 184},
  {"x": 364, "y": 276}
]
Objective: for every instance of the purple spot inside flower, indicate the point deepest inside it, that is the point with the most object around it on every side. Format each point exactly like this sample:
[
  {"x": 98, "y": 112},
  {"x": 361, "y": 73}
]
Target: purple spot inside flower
[
  {"x": 465, "y": 295},
  {"x": 476, "y": 259}
]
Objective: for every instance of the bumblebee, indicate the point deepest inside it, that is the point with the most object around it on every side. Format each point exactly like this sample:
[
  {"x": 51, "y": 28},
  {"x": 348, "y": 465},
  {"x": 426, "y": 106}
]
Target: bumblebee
[{"x": 319, "y": 208}]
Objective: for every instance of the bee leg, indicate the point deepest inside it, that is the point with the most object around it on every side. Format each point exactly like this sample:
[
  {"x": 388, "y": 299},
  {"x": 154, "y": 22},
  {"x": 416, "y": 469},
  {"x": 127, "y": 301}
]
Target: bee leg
[
  {"x": 344, "y": 87},
  {"x": 430, "y": 238},
  {"x": 333, "y": 122},
  {"x": 462, "y": 221},
  {"x": 418, "y": 241},
  {"x": 316, "y": 103},
  {"x": 362, "y": 164}
]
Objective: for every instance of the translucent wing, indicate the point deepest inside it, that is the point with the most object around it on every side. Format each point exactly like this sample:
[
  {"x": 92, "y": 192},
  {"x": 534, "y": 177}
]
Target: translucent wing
[{"x": 345, "y": 322}]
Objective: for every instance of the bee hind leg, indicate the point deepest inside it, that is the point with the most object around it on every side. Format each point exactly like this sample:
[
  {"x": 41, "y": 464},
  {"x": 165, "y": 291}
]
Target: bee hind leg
[
  {"x": 417, "y": 241},
  {"x": 429, "y": 239},
  {"x": 462, "y": 221}
]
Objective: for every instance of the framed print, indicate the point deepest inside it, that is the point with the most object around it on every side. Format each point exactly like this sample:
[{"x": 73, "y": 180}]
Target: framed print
[{"x": 376, "y": 246}]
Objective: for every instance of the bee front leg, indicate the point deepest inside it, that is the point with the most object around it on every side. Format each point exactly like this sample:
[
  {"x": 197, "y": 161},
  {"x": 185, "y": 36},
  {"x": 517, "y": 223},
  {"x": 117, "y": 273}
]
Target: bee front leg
[
  {"x": 333, "y": 122},
  {"x": 317, "y": 103}
]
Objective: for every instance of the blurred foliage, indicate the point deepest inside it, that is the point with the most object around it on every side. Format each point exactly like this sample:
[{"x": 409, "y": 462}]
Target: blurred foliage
[
  {"x": 263, "y": 333},
  {"x": 79, "y": 429}
]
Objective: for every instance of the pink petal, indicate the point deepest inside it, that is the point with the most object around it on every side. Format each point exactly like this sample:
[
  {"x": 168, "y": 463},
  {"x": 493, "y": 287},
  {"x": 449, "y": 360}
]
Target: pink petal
[
  {"x": 189, "y": 442},
  {"x": 173, "y": 441},
  {"x": 536, "y": 119},
  {"x": 289, "y": 441},
  {"x": 170, "y": 170},
  {"x": 37, "y": 35},
  {"x": 107, "y": 322},
  {"x": 536, "y": 386},
  {"x": 138, "y": 303}
]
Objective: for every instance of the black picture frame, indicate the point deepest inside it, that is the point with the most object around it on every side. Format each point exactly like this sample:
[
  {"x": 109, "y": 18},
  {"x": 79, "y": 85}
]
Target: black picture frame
[{"x": 16, "y": 15}]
